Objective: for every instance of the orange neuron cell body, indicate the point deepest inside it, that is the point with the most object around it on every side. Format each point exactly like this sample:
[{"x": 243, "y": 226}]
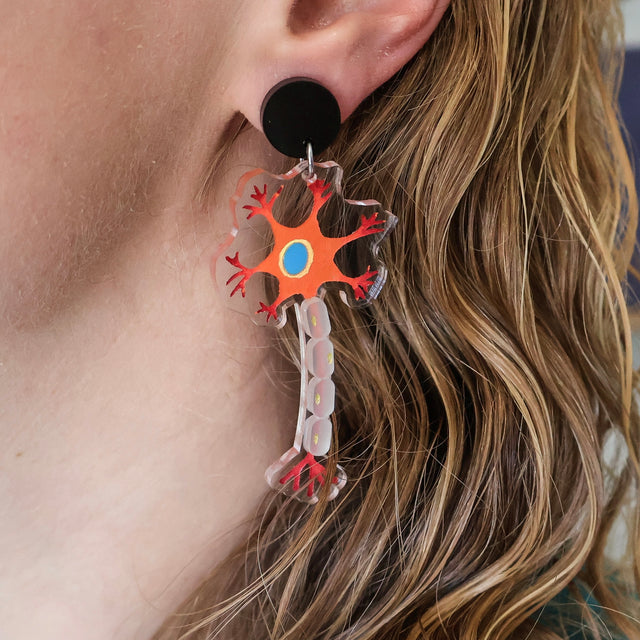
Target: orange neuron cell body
[{"x": 303, "y": 258}]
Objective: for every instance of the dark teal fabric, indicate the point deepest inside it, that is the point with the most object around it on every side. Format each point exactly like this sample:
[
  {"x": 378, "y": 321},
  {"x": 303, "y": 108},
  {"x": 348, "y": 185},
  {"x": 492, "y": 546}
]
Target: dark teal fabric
[{"x": 564, "y": 616}]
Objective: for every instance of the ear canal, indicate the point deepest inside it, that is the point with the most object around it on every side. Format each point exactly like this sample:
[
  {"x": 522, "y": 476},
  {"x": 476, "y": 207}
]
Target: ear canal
[{"x": 313, "y": 14}]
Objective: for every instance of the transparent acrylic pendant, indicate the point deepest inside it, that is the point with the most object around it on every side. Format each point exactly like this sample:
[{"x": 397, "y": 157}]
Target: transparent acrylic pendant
[{"x": 294, "y": 238}]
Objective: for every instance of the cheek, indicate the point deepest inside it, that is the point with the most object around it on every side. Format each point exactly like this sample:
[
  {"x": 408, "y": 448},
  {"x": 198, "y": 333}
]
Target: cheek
[{"x": 83, "y": 131}]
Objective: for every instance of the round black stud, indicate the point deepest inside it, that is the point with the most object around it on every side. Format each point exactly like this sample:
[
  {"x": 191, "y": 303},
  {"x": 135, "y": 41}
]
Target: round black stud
[{"x": 297, "y": 111}]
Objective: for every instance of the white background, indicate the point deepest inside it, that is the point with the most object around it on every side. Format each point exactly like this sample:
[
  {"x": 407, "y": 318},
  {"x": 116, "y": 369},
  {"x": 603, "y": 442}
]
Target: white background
[{"x": 631, "y": 10}]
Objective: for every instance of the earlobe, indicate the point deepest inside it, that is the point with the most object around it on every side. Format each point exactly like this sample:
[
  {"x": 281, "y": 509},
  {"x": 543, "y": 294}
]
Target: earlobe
[
  {"x": 363, "y": 42},
  {"x": 351, "y": 48}
]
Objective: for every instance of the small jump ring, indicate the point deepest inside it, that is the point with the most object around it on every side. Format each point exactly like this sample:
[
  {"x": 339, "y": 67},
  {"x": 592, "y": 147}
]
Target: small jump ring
[{"x": 310, "y": 166}]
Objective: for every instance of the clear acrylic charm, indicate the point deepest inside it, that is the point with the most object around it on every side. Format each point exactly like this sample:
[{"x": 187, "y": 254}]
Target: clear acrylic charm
[
  {"x": 294, "y": 238},
  {"x": 295, "y": 235}
]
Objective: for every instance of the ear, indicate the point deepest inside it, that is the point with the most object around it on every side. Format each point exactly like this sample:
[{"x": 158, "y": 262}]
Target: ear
[{"x": 351, "y": 47}]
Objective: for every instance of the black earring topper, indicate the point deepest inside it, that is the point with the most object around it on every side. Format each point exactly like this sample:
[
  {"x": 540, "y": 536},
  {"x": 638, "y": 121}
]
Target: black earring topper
[
  {"x": 294, "y": 265},
  {"x": 297, "y": 112}
]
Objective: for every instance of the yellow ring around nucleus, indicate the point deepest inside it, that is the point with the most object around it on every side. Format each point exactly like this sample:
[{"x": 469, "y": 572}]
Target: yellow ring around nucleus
[{"x": 309, "y": 249}]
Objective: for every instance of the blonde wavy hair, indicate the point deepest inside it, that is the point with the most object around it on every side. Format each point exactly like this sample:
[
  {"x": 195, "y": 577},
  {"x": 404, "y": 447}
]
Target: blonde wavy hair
[{"x": 476, "y": 395}]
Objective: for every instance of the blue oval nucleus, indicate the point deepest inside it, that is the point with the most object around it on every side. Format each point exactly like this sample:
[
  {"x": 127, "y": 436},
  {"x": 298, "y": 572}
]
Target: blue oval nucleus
[{"x": 295, "y": 258}]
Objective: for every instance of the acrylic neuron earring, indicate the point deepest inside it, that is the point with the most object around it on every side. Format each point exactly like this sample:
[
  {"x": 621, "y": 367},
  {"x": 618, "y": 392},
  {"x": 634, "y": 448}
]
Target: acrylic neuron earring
[{"x": 286, "y": 248}]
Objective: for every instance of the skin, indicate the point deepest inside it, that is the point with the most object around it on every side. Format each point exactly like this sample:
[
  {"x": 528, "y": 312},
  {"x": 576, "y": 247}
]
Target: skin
[{"x": 137, "y": 413}]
